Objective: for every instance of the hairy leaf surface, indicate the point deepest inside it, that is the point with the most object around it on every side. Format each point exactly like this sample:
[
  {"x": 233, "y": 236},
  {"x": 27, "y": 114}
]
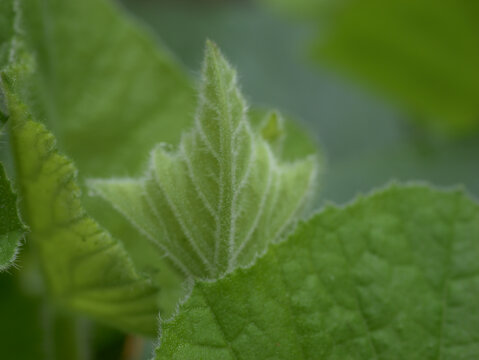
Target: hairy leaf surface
[
  {"x": 393, "y": 276},
  {"x": 12, "y": 229},
  {"x": 217, "y": 201}
]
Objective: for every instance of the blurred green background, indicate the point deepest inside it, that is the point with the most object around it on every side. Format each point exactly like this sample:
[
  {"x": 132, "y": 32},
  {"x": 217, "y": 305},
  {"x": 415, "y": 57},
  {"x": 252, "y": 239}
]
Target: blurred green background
[{"x": 390, "y": 92}]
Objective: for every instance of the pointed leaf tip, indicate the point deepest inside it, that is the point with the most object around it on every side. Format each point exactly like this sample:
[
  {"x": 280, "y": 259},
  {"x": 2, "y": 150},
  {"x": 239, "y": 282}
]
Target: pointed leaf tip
[{"x": 222, "y": 196}]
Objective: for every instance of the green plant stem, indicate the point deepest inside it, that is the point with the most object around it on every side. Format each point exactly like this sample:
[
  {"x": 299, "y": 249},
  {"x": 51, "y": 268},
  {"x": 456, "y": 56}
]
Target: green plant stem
[{"x": 64, "y": 335}]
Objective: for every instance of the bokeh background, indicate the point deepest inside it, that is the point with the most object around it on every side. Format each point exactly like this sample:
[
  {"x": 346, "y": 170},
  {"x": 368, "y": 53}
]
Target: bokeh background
[{"x": 389, "y": 89}]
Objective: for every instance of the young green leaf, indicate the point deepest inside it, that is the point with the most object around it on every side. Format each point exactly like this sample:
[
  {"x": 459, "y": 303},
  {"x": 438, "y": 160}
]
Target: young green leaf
[
  {"x": 12, "y": 229},
  {"x": 217, "y": 201},
  {"x": 392, "y": 276}
]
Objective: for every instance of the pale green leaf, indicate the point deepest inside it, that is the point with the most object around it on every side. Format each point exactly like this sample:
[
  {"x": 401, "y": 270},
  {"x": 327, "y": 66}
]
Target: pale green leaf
[
  {"x": 392, "y": 276},
  {"x": 217, "y": 201},
  {"x": 12, "y": 229}
]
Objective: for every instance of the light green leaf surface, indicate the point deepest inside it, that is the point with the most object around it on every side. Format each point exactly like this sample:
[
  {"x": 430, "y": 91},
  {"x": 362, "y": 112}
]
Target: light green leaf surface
[
  {"x": 12, "y": 229},
  {"x": 217, "y": 201},
  {"x": 392, "y": 276}
]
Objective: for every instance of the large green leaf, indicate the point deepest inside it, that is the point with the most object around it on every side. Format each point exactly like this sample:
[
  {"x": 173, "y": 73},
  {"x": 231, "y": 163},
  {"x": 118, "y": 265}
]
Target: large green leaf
[
  {"x": 392, "y": 276},
  {"x": 12, "y": 229},
  {"x": 220, "y": 199}
]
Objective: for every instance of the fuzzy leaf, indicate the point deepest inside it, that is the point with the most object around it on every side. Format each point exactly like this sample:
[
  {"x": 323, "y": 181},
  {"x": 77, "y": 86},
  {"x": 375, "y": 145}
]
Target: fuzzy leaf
[
  {"x": 393, "y": 276},
  {"x": 86, "y": 268},
  {"x": 217, "y": 201},
  {"x": 12, "y": 229}
]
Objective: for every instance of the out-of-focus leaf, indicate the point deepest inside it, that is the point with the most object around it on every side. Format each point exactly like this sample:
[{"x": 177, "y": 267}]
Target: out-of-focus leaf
[
  {"x": 421, "y": 54},
  {"x": 106, "y": 81},
  {"x": 394, "y": 275},
  {"x": 288, "y": 138},
  {"x": 12, "y": 229}
]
